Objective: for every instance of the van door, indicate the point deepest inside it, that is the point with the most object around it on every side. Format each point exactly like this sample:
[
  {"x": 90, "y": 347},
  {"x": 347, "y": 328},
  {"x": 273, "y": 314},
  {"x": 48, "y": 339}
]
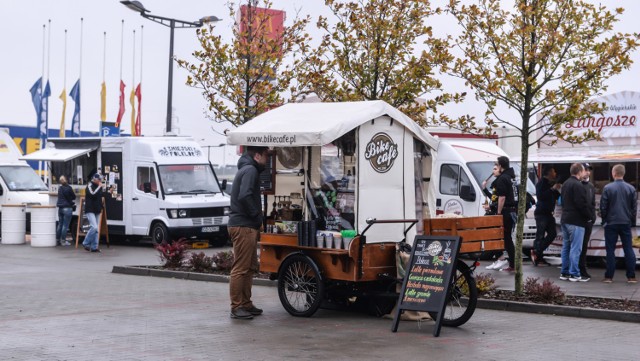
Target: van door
[
  {"x": 456, "y": 193},
  {"x": 144, "y": 203}
]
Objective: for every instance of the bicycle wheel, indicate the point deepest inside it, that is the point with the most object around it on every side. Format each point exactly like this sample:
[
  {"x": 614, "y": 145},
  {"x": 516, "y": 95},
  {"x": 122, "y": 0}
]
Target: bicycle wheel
[
  {"x": 462, "y": 298},
  {"x": 300, "y": 287}
]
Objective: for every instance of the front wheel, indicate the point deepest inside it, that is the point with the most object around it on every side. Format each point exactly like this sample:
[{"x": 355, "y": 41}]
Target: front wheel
[
  {"x": 462, "y": 297},
  {"x": 300, "y": 286},
  {"x": 159, "y": 233}
]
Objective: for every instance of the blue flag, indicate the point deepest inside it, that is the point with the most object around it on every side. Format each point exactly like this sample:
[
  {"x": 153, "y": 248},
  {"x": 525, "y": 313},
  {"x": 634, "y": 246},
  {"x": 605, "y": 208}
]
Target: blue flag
[
  {"x": 44, "y": 116},
  {"x": 75, "y": 122},
  {"x": 36, "y": 98}
]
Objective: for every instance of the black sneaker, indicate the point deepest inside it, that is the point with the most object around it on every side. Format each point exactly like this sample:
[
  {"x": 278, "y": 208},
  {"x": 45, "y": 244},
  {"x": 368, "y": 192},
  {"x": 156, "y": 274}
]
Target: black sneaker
[
  {"x": 564, "y": 277},
  {"x": 241, "y": 314},
  {"x": 96, "y": 251},
  {"x": 584, "y": 278},
  {"x": 255, "y": 311},
  {"x": 573, "y": 278},
  {"x": 86, "y": 248}
]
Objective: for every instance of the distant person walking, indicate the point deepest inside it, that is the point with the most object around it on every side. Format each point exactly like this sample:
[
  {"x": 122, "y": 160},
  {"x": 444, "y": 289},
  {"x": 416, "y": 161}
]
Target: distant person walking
[
  {"x": 244, "y": 225},
  {"x": 618, "y": 207},
  {"x": 66, "y": 198},
  {"x": 92, "y": 209},
  {"x": 547, "y": 192},
  {"x": 575, "y": 217},
  {"x": 591, "y": 198}
]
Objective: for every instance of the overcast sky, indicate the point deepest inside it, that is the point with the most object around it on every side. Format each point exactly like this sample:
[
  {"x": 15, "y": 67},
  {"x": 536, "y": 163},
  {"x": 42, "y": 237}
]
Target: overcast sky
[{"x": 21, "y": 64}]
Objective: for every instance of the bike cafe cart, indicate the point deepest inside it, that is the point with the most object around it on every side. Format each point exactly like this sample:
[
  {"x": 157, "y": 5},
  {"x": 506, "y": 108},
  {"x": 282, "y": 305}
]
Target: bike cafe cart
[{"x": 356, "y": 166}]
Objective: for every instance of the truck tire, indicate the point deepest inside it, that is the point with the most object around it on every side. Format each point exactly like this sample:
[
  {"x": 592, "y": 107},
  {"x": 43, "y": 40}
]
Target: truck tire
[{"x": 159, "y": 233}]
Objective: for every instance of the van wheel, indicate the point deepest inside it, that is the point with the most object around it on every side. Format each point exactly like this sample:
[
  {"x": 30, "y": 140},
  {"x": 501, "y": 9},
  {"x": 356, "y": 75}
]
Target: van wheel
[{"x": 159, "y": 233}]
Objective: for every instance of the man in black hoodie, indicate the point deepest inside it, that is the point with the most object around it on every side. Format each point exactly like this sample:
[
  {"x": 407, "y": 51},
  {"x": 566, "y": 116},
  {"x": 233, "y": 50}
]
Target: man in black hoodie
[
  {"x": 245, "y": 220},
  {"x": 506, "y": 206},
  {"x": 575, "y": 218}
]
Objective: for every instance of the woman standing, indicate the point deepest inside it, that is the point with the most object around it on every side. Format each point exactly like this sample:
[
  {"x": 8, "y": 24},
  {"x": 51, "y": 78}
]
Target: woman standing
[{"x": 65, "y": 204}]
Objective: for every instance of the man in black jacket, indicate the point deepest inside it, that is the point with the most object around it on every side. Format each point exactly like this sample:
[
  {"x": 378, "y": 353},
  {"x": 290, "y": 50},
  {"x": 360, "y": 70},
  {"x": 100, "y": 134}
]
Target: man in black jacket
[
  {"x": 92, "y": 209},
  {"x": 547, "y": 193},
  {"x": 506, "y": 207},
  {"x": 245, "y": 220},
  {"x": 575, "y": 217}
]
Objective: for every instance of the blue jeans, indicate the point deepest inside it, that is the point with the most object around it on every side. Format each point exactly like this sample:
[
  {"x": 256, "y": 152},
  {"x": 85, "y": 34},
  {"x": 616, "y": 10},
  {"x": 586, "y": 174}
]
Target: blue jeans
[
  {"x": 611, "y": 233},
  {"x": 64, "y": 218},
  {"x": 91, "y": 239},
  {"x": 572, "y": 237}
]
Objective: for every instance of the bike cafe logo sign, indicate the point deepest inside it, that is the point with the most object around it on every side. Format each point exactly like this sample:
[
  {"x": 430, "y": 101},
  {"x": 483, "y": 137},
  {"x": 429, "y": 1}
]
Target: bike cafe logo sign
[{"x": 381, "y": 152}]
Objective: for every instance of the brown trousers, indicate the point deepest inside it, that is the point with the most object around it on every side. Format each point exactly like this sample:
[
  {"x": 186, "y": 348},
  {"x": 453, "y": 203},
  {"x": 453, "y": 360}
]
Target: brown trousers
[{"x": 245, "y": 264}]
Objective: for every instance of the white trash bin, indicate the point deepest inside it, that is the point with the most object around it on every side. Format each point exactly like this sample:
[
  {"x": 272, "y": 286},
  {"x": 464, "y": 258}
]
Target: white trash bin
[
  {"x": 43, "y": 226},
  {"x": 14, "y": 223}
]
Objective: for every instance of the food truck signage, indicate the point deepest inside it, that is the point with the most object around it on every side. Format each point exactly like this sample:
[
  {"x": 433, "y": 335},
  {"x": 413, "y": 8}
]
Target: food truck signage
[
  {"x": 426, "y": 283},
  {"x": 179, "y": 151},
  {"x": 381, "y": 152}
]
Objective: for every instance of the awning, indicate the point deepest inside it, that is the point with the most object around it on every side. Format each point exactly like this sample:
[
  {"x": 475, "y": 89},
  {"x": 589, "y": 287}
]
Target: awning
[
  {"x": 586, "y": 155},
  {"x": 317, "y": 124},
  {"x": 56, "y": 155}
]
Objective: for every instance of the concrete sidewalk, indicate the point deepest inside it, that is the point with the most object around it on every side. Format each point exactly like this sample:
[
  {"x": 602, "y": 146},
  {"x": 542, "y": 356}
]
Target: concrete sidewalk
[{"x": 65, "y": 304}]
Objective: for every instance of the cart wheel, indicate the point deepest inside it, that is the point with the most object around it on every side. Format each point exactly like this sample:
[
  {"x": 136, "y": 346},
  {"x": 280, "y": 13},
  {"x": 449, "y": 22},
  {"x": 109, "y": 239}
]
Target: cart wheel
[
  {"x": 300, "y": 287},
  {"x": 463, "y": 296}
]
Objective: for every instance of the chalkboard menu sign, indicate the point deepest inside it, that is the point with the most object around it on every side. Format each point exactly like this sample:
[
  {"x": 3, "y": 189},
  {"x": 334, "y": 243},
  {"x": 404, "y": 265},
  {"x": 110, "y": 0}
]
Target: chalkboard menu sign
[
  {"x": 426, "y": 283},
  {"x": 268, "y": 176}
]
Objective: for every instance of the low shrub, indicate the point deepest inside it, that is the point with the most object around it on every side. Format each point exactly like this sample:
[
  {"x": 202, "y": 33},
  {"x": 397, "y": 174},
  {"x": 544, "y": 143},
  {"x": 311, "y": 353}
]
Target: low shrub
[
  {"x": 172, "y": 254},
  {"x": 199, "y": 262},
  {"x": 546, "y": 291},
  {"x": 485, "y": 283},
  {"x": 223, "y": 260}
]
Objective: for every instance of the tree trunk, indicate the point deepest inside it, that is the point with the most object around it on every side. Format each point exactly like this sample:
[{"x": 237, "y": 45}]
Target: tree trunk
[{"x": 522, "y": 207}]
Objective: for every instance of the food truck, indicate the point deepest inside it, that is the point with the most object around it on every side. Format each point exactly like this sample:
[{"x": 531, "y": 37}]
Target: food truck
[
  {"x": 162, "y": 187},
  {"x": 619, "y": 130},
  {"x": 341, "y": 169}
]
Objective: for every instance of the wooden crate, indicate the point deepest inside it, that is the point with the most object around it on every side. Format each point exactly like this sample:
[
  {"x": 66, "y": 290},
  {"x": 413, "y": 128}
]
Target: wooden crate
[{"x": 478, "y": 234}]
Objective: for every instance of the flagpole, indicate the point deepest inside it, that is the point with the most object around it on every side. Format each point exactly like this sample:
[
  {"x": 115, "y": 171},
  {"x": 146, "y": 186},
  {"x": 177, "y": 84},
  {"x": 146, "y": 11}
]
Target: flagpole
[
  {"x": 44, "y": 26},
  {"x": 139, "y": 117},
  {"x": 103, "y": 87},
  {"x": 121, "y": 108},
  {"x": 63, "y": 96},
  {"x": 80, "y": 78},
  {"x": 121, "y": 47},
  {"x": 133, "y": 88},
  {"x": 43, "y": 142}
]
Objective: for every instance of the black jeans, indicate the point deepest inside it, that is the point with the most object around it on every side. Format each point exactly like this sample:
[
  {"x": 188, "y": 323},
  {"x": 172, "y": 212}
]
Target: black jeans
[
  {"x": 545, "y": 224},
  {"x": 583, "y": 255},
  {"x": 509, "y": 223}
]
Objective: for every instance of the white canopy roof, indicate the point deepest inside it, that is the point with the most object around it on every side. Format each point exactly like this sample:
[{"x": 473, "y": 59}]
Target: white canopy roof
[
  {"x": 586, "y": 155},
  {"x": 56, "y": 155},
  {"x": 317, "y": 124}
]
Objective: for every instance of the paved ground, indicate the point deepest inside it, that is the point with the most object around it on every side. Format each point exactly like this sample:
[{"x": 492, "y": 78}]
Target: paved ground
[{"x": 65, "y": 304}]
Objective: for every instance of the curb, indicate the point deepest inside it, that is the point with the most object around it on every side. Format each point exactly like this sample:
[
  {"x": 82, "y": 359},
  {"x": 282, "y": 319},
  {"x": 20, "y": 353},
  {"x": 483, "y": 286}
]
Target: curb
[
  {"x": 193, "y": 276},
  {"x": 489, "y": 304}
]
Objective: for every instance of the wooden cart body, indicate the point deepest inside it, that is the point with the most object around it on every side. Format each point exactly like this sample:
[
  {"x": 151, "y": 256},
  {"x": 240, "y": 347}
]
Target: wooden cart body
[{"x": 363, "y": 262}]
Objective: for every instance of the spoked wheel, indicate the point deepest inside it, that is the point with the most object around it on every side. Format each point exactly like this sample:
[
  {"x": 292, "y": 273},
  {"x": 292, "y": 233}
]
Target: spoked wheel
[
  {"x": 300, "y": 286},
  {"x": 462, "y": 298}
]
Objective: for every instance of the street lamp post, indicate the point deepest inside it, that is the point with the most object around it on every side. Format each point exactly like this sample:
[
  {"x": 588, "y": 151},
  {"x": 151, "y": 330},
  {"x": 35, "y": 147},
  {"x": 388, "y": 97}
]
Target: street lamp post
[{"x": 172, "y": 24}]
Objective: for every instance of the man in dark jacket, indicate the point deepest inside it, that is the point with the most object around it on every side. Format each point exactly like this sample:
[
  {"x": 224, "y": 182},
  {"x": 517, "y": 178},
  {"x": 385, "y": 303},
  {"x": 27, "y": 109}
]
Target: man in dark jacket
[
  {"x": 506, "y": 207},
  {"x": 618, "y": 208},
  {"x": 575, "y": 217},
  {"x": 547, "y": 193},
  {"x": 591, "y": 197},
  {"x": 65, "y": 204},
  {"x": 92, "y": 209},
  {"x": 245, "y": 220}
]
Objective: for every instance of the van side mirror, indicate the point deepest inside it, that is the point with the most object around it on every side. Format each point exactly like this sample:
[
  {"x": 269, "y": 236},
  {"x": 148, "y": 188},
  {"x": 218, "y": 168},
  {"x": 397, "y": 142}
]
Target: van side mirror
[
  {"x": 224, "y": 185},
  {"x": 146, "y": 187},
  {"x": 467, "y": 194}
]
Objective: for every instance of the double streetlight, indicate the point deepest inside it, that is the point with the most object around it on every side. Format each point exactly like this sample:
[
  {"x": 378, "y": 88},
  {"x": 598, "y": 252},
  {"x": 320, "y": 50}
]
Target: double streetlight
[{"x": 172, "y": 24}]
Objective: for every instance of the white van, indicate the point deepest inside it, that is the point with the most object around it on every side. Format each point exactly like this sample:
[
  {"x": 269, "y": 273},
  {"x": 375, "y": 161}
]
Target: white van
[
  {"x": 162, "y": 187},
  {"x": 459, "y": 167},
  {"x": 19, "y": 183}
]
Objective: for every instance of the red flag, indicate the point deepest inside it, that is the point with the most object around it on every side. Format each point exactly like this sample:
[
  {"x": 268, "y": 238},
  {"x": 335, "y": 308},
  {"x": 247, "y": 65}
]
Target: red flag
[
  {"x": 121, "y": 111},
  {"x": 138, "y": 120}
]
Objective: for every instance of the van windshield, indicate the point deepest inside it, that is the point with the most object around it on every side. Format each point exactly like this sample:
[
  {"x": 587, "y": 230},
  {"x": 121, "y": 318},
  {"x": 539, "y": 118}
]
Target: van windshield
[
  {"x": 188, "y": 179},
  {"x": 21, "y": 178},
  {"x": 482, "y": 170}
]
